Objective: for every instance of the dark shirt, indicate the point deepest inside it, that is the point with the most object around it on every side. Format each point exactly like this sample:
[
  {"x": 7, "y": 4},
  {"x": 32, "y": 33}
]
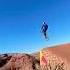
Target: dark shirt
[{"x": 44, "y": 27}]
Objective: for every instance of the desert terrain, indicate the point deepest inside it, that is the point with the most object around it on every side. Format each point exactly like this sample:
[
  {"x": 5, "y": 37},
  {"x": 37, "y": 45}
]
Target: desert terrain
[{"x": 50, "y": 58}]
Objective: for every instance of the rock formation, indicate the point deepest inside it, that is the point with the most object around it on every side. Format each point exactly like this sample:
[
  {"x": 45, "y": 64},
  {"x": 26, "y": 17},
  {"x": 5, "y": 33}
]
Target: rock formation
[{"x": 52, "y": 58}]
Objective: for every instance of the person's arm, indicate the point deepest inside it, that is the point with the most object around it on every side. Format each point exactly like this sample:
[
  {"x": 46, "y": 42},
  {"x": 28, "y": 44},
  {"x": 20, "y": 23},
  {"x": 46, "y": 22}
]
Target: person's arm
[
  {"x": 46, "y": 26},
  {"x": 41, "y": 28}
]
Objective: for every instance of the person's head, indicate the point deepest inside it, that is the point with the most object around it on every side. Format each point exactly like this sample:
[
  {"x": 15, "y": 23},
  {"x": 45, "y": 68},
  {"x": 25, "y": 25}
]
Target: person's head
[{"x": 44, "y": 23}]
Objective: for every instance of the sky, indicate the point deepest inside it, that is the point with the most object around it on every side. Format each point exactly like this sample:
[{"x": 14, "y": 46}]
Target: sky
[{"x": 21, "y": 21}]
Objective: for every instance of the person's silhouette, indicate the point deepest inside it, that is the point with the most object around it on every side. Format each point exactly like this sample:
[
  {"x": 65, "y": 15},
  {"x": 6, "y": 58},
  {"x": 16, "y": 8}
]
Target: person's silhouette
[{"x": 44, "y": 29}]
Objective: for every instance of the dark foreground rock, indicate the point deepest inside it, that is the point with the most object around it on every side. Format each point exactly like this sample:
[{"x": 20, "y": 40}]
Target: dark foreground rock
[{"x": 19, "y": 62}]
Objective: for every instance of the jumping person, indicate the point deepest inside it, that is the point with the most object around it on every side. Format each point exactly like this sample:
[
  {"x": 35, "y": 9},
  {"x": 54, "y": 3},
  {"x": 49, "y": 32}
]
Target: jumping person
[{"x": 44, "y": 29}]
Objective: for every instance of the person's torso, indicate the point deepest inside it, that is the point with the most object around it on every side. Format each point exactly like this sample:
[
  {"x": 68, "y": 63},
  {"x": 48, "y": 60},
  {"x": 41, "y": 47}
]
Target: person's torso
[{"x": 45, "y": 26}]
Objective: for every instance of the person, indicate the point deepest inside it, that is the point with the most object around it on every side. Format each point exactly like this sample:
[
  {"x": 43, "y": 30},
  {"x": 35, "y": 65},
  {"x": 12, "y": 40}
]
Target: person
[{"x": 44, "y": 29}]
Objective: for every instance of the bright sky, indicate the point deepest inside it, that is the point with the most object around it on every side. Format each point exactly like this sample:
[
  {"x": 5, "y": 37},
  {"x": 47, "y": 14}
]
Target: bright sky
[{"x": 20, "y": 22}]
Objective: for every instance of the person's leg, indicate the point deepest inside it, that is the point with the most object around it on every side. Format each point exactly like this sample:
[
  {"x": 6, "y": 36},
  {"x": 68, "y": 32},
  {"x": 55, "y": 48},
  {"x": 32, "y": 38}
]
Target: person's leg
[{"x": 45, "y": 34}]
